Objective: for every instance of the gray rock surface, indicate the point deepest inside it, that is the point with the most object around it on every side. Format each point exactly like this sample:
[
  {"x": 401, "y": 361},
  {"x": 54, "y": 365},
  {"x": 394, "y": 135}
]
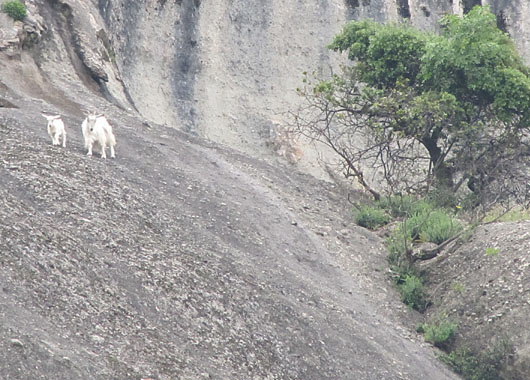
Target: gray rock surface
[{"x": 182, "y": 259}]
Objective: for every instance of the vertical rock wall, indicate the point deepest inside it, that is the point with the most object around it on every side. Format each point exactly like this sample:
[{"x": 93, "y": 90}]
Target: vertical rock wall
[
  {"x": 253, "y": 55},
  {"x": 514, "y": 15},
  {"x": 227, "y": 69},
  {"x": 221, "y": 69}
]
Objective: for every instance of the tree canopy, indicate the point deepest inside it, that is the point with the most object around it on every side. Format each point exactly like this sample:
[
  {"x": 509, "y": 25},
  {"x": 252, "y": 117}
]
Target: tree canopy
[{"x": 427, "y": 111}]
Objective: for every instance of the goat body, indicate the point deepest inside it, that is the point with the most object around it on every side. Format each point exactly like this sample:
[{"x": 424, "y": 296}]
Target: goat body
[
  {"x": 97, "y": 130},
  {"x": 56, "y": 129}
]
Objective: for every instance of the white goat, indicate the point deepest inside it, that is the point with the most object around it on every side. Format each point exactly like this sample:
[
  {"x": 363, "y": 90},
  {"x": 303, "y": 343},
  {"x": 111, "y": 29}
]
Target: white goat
[
  {"x": 96, "y": 129},
  {"x": 56, "y": 129}
]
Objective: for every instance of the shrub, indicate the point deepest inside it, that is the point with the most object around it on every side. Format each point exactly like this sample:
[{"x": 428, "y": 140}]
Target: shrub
[
  {"x": 434, "y": 226},
  {"x": 397, "y": 249},
  {"x": 413, "y": 294},
  {"x": 438, "y": 227},
  {"x": 371, "y": 217},
  {"x": 444, "y": 198},
  {"x": 487, "y": 365},
  {"x": 426, "y": 224},
  {"x": 401, "y": 205},
  {"x": 441, "y": 333},
  {"x": 15, "y": 9}
]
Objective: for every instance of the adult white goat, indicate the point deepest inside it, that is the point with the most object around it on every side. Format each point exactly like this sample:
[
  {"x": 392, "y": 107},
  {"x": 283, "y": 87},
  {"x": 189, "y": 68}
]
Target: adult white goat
[
  {"x": 96, "y": 129},
  {"x": 56, "y": 129}
]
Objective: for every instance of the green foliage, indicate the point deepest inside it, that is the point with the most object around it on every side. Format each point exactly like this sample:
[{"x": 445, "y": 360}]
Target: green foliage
[
  {"x": 387, "y": 55},
  {"x": 455, "y": 105},
  {"x": 491, "y": 251},
  {"x": 476, "y": 62},
  {"x": 425, "y": 223},
  {"x": 458, "y": 287},
  {"x": 400, "y": 240},
  {"x": 397, "y": 245},
  {"x": 429, "y": 225},
  {"x": 441, "y": 332},
  {"x": 371, "y": 217},
  {"x": 413, "y": 293},
  {"x": 445, "y": 198},
  {"x": 486, "y": 365},
  {"x": 15, "y": 9},
  {"x": 434, "y": 226},
  {"x": 401, "y": 205}
]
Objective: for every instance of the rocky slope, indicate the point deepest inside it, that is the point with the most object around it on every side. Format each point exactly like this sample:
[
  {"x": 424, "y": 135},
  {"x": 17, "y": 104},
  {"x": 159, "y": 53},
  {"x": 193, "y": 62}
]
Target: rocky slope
[
  {"x": 184, "y": 260},
  {"x": 181, "y": 258},
  {"x": 484, "y": 286}
]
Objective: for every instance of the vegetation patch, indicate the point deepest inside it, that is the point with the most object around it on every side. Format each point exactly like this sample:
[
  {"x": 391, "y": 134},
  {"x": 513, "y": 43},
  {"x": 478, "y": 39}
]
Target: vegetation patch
[
  {"x": 434, "y": 226},
  {"x": 15, "y": 9},
  {"x": 486, "y": 365},
  {"x": 413, "y": 293},
  {"x": 425, "y": 224},
  {"x": 371, "y": 217},
  {"x": 491, "y": 251},
  {"x": 458, "y": 287},
  {"x": 402, "y": 205},
  {"x": 441, "y": 332},
  {"x": 517, "y": 214},
  {"x": 445, "y": 111}
]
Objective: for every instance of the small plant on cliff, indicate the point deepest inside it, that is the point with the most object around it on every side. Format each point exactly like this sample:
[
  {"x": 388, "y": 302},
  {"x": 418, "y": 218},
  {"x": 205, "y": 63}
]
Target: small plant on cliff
[
  {"x": 434, "y": 226},
  {"x": 441, "y": 332},
  {"x": 401, "y": 205},
  {"x": 413, "y": 294},
  {"x": 15, "y": 9},
  {"x": 492, "y": 251},
  {"x": 371, "y": 217},
  {"x": 424, "y": 224}
]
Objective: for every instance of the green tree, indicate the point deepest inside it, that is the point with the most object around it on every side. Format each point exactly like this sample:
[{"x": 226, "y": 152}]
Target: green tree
[{"x": 427, "y": 110}]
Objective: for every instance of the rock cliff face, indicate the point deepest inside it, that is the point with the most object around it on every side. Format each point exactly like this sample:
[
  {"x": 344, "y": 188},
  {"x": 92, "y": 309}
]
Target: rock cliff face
[
  {"x": 167, "y": 262},
  {"x": 227, "y": 69}
]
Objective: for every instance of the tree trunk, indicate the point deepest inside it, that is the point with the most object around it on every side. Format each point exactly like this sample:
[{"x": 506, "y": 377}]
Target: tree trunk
[{"x": 443, "y": 174}]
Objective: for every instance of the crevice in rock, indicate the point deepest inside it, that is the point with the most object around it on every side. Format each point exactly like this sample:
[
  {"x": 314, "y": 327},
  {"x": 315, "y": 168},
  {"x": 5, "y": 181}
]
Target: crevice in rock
[
  {"x": 105, "y": 9},
  {"x": 352, "y": 3},
  {"x": 187, "y": 63},
  {"x": 502, "y": 22},
  {"x": 64, "y": 22},
  {"x": 469, "y": 4},
  {"x": 425, "y": 10},
  {"x": 403, "y": 8}
]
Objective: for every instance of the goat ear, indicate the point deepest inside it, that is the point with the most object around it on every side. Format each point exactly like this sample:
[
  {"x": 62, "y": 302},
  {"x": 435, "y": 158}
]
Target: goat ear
[
  {"x": 99, "y": 115},
  {"x": 56, "y": 117}
]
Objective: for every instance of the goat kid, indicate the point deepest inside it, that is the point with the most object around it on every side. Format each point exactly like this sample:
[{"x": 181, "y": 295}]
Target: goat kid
[
  {"x": 97, "y": 130},
  {"x": 56, "y": 129}
]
